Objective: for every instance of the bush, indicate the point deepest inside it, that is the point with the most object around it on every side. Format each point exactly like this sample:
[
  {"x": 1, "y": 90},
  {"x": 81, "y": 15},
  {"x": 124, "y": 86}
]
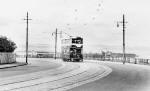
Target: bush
[{"x": 6, "y": 45}]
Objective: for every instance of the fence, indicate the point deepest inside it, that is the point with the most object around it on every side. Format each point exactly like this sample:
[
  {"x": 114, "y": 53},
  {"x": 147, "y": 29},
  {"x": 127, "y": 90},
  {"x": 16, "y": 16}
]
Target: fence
[
  {"x": 7, "y": 58},
  {"x": 119, "y": 59}
]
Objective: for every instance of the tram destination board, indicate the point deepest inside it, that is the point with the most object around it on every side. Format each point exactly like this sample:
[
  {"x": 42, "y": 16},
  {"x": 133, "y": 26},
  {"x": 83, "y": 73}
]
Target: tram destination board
[{"x": 77, "y": 40}]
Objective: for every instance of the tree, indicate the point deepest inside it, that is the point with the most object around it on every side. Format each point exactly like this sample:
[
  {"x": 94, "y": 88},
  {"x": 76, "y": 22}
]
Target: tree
[{"x": 6, "y": 45}]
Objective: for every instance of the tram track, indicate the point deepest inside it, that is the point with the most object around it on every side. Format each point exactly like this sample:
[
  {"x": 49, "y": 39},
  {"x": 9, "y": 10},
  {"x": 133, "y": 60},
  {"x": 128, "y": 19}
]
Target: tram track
[
  {"x": 42, "y": 83},
  {"x": 90, "y": 78},
  {"x": 83, "y": 77},
  {"x": 66, "y": 69},
  {"x": 38, "y": 75}
]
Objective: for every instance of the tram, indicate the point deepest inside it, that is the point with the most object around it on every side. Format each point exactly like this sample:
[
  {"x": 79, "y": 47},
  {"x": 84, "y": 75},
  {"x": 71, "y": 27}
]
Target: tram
[{"x": 72, "y": 49}]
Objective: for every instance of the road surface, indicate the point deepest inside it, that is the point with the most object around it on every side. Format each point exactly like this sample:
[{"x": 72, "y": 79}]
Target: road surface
[
  {"x": 50, "y": 75},
  {"x": 55, "y": 75},
  {"x": 128, "y": 77}
]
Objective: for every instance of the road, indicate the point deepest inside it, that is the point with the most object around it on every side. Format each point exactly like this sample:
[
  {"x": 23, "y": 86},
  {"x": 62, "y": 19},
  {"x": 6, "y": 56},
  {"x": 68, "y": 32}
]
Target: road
[
  {"x": 128, "y": 77},
  {"x": 55, "y": 75},
  {"x": 35, "y": 65},
  {"x": 50, "y": 75}
]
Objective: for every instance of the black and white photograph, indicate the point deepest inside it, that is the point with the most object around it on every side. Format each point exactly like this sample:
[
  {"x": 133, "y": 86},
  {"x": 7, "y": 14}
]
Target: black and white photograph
[{"x": 74, "y": 45}]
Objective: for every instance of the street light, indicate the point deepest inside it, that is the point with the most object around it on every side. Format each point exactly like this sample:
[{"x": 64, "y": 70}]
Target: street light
[{"x": 123, "y": 22}]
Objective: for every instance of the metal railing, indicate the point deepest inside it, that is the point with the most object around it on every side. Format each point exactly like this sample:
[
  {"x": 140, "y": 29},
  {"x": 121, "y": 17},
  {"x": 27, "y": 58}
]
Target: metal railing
[{"x": 119, "y": 59}]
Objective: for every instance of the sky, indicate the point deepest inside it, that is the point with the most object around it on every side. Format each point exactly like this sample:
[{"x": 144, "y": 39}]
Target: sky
[{"x": 94, "y": 20}]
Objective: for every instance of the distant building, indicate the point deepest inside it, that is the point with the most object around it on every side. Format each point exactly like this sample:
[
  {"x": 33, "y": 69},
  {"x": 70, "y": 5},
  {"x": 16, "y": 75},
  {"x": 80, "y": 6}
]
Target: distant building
[
  {"x": 44, "y": 54},
  {"x": 37, "y": 54}
]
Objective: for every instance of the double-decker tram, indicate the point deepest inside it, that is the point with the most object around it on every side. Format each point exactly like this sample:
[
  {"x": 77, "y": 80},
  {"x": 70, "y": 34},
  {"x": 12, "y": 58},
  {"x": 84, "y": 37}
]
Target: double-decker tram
[{"x": 72, "y": 49}]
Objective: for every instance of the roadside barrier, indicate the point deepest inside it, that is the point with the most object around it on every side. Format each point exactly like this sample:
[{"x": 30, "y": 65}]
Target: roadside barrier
[
  {"x": 7, "y": 58},
  {"x": 120, "y": 59}
]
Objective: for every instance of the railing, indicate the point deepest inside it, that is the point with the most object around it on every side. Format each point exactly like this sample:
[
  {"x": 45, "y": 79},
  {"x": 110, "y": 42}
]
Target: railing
[{"x": 120, "y": 59}]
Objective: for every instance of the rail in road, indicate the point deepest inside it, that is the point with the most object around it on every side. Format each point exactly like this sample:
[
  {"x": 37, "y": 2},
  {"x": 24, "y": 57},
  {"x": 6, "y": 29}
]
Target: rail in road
[{"x": 67, "y": 76}]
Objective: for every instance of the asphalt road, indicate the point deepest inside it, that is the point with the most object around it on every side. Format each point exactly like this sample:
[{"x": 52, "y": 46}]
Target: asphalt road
[
  {"x": 47, "y": 75},
  {"x": 44, "y": 75},
  {"x": 128, "y": 77},
  {"x": 34, "y": 65}
]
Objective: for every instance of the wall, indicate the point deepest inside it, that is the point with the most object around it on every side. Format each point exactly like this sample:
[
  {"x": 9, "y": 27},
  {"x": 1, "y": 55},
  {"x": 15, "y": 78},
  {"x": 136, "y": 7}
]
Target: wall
[{"x": 7, "y": 58}]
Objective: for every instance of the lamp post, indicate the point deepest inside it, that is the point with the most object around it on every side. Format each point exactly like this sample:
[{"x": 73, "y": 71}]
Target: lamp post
[{"x": 123, "y": 22}]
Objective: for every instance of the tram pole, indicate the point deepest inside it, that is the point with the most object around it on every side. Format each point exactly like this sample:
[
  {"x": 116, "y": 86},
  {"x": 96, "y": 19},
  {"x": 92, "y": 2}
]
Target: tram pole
[
  {"x": 56, "y": 44},
  {"x": 56, "y": 37},
  {"x": 124, "y": 56},
  {"x": 27, "y": 18},
  {"x": 123, "y": 26}
]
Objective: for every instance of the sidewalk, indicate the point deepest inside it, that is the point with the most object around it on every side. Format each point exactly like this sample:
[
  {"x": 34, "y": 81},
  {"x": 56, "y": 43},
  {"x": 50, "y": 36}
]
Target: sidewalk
[{"x": 4, "y": 66}]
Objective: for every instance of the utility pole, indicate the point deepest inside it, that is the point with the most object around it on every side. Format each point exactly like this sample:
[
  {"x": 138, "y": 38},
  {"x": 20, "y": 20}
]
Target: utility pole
[
  {"x": 55, "y": 43},
  {"x": 56, "y": 37},
  {"x": 123, "y": 22},
  {"x": 27, "y": 19},
  {"x": 56, "y": 33}
]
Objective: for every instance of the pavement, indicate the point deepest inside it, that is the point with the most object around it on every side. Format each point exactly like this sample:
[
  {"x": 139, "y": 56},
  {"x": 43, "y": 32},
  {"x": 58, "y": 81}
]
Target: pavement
[{"x": 11, "y": 65}]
